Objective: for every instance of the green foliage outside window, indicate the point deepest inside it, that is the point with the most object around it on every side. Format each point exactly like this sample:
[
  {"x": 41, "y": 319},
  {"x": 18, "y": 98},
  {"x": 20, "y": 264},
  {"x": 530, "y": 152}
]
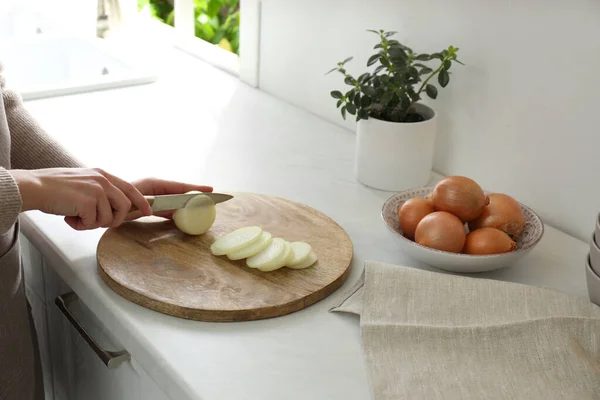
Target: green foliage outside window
[{"x": 216, "y": 21}]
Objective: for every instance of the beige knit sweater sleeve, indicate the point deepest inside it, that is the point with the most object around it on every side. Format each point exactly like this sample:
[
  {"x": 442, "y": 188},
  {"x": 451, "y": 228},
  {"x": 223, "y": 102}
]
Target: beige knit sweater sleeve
[{"x": 30, "y": 148}]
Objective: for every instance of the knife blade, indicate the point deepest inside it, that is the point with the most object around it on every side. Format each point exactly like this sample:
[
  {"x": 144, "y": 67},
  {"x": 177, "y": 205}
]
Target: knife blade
[{"x": 175, "y": 201}]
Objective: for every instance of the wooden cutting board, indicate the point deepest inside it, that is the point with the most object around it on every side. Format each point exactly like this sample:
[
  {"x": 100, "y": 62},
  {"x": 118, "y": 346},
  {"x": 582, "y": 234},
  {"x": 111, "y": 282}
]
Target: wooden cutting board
[{"x": 151, "y": 263}]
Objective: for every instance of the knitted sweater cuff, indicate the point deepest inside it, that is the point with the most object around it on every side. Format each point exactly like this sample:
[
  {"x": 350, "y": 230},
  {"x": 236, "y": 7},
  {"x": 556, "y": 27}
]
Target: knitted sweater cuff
[{"x": 10, "y": 201}]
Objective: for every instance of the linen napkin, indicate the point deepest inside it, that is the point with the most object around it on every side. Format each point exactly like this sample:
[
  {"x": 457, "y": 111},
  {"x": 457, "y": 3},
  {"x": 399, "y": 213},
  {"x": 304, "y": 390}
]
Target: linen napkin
[{"x": 430, "y": 335}]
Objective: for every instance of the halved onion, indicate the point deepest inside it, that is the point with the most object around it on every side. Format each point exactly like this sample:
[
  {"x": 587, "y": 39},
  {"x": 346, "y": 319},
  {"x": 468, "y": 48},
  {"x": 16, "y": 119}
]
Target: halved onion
[{"x": 197, "y": 216}]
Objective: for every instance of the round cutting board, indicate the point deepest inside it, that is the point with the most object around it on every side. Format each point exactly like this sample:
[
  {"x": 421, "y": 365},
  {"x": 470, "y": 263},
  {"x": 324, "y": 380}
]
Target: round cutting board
[{"x": 151, "y": 263}]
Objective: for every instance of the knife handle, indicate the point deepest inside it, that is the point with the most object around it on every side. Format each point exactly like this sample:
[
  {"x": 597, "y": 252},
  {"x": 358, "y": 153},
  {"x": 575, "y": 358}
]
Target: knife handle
[{"x": 150, "y": 200}]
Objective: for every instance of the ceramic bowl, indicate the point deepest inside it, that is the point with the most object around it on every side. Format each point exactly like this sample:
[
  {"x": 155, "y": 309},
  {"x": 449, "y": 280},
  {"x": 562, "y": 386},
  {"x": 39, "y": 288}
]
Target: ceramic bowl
[
  {"x": 465, "y": 263},
  {"x": 597, "y": 231},
  {"x": 595, "y": 256},
  {"x": 593, "y": 282}
]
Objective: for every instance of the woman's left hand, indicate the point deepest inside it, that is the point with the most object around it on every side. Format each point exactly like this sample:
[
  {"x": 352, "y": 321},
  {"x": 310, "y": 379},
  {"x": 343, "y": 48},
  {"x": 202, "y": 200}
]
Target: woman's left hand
[{"x": 155, "y": 187}]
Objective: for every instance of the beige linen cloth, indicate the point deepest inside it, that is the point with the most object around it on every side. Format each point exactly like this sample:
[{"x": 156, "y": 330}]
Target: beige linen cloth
[{"x": 430, "y": 335}]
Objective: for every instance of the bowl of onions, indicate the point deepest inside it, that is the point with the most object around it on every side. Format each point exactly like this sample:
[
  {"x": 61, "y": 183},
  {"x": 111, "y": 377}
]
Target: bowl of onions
[{"x": 457, "y": 226}]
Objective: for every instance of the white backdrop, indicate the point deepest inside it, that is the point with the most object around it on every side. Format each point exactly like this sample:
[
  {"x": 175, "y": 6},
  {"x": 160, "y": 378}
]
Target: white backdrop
[{"x": 521, "y": 117}]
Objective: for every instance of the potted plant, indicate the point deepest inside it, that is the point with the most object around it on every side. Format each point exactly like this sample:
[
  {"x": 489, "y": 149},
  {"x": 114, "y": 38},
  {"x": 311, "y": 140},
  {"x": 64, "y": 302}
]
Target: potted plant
[{"x": 395, "y": 131}]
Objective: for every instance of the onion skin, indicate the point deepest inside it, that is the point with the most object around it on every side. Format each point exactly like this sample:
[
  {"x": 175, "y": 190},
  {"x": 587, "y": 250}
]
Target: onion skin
[
  {"x": 411, "y": 213},
  {"x": 503, "y": 213},
  {"x": 460, "y": 196},
  {"x": 488, "y": 241},
  {"x": 441, "y": 230}
]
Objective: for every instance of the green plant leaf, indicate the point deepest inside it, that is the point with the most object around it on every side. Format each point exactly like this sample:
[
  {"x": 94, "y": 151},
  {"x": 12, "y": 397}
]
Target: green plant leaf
[
  {"x": 331, "y": 70},
  {"x": 387, "y": 97},
  {"x": 420, "y": 65},
  {"x": 431, "y": 91},
  {"x": 373, "y": 59},
  {"x": 413, "y": 72},
  {"x": 378, "y": 46},
  {"x": 423, "y": 57},
  {"x": 363, "y": 77},
  {"x": 425, "y": 70},
  {"x": 388, "y": 34},
  {"x": 339, "y": 103},
  {"x": 213, "y": 8},
  {"x": 343, "y": 111},
  {"x": 349, "y": 80},
  {"x": 447, "y": 65},
  {"x": 443, "y": 78},
  {"x": 347, "y": 60},
  {"x": 398, "y": 53},
  {"x": 357, "y": 100},
  {"x": 336, "y": 94},
  {"x": 413, "y": 95},
  {"x": 384, "y": 61},
  {"x": 372, "y": 30},
  {"x": 368, "y": 90},
  {"x": 378, "y": 69},
  {"x": 365, "y": 101},
  {"x": 439, "y": 56},
  {"x": 350, "y": 108},
  {"x": 364, "y": 114},
  {"x": 404, "y": 101},
  {"x": 458, "y": 62},
  {"x": 385, "y": 79},
  {"x": 350, "y": 95}
]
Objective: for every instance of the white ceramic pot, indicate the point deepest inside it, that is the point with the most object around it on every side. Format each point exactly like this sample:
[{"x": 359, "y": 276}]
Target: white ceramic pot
[{"x": 395, "y": 156}]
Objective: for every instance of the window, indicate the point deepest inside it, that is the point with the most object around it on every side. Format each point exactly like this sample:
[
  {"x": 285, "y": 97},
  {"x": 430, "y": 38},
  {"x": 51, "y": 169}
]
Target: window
[{"x": 222, "y": 32}]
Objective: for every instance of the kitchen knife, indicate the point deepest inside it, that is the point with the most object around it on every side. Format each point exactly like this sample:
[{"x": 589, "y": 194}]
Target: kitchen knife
[{"x": 175, "y": 201}]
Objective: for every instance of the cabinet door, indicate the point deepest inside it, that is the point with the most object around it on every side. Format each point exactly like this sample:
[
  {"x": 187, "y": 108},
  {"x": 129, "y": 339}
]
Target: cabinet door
[
  {"x": 38, "y": 312},
  {"x": 32, "y": 268},
  {"x": 81, "y": 374},
  {"x": 34, "y": 290}
]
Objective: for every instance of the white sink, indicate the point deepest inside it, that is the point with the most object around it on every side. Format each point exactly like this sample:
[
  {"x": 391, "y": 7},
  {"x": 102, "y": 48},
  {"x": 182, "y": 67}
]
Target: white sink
[{"x": 47, "y": 65}]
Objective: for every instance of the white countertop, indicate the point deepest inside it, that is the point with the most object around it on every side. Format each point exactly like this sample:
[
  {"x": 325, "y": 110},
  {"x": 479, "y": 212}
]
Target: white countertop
[{"x": 202, "y": 125}]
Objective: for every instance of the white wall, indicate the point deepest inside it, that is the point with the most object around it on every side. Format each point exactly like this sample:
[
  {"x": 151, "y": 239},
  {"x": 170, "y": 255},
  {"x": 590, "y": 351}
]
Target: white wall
[{"x": 522, "y": 117}]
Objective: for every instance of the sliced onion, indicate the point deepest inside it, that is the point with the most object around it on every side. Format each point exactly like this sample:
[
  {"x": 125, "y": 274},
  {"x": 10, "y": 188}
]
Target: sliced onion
[
  {"x": 235, "y": 240},
  {"x": 254, "y": 248}
]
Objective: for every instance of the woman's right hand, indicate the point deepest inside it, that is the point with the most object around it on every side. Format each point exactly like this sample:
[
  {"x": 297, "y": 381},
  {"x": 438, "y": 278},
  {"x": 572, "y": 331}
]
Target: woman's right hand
[{"x": 89, "y": 198}]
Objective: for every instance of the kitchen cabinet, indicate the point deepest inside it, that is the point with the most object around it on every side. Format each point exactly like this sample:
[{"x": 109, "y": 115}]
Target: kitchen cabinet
[
  {"x": 36, "y": 295},
  {"x": 72, "y": 369}
]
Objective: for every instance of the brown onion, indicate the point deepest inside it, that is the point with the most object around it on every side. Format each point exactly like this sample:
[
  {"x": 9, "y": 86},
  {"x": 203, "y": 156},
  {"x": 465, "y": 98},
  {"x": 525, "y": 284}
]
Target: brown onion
[
  {"x": 503, "y": 213},
  {"x": 488, "y": 241},
  {"x": 442, "y": 231},
  {"x": 411, "y": 213},
  {"x": 460, "y": 196}
]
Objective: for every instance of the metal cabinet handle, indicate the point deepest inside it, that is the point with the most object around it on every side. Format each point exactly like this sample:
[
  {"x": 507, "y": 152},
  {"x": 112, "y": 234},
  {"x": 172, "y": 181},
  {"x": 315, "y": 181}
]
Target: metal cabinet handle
[{"x": 112, "y": 359}]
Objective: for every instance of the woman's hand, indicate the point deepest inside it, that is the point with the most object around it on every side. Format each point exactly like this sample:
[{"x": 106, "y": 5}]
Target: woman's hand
[
  {"x": 155, "y": 187},
  {"x": 88, "y": 198}
]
